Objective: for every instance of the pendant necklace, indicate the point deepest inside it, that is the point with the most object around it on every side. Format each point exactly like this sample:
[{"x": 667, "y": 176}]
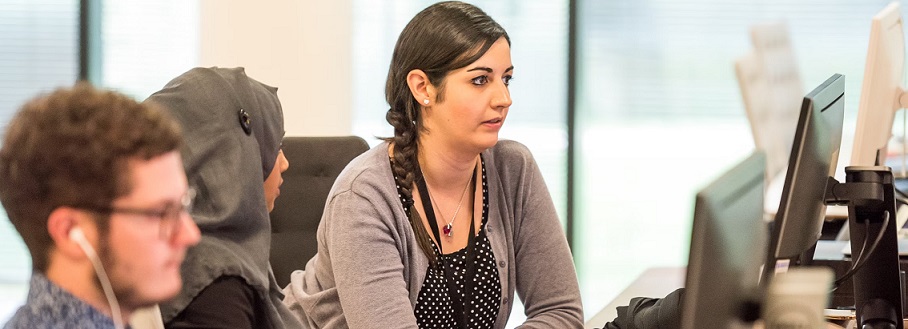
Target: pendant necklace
[
  {"x": 448, "y": 228},
  {"x": 460, "y": 302}
]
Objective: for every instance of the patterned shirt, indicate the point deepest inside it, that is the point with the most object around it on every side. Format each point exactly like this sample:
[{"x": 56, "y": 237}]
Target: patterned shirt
[
  {"x": 49, "y": 306},
  {"x": 434, "y": 307}
]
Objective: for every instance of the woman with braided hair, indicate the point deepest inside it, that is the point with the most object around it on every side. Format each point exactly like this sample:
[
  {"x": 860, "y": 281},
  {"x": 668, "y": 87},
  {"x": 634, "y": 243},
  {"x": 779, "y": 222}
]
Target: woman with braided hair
[{"x": 438, "y": 226}]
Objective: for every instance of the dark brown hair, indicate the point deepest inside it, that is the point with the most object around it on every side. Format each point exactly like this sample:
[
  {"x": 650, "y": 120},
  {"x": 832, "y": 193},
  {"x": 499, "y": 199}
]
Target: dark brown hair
[
  {"x": 443, "y": 37},
  {"x": 71, "y": 147}
]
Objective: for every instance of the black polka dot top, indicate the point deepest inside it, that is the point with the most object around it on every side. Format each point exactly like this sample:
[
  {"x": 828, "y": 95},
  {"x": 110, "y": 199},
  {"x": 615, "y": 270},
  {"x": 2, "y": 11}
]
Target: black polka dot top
[{"x": 433, "y": 305}]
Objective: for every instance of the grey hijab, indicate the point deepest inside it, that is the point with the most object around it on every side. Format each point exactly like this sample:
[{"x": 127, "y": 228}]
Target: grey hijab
[{"x": 233, "y": 126}]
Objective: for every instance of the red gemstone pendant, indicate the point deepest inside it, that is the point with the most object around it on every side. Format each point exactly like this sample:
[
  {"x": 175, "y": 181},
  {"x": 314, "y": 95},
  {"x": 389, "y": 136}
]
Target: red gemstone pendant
[{"x": 447, "y": 230}]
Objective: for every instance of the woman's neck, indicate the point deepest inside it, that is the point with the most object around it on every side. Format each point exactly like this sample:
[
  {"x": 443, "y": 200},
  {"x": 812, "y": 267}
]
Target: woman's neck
[{"x": 445, "y": 167}]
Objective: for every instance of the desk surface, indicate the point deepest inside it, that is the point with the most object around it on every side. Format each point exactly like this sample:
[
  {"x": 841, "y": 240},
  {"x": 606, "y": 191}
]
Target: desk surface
[
  {"x": 654, "y": 282},
  {"x": 658, "y": 282}
]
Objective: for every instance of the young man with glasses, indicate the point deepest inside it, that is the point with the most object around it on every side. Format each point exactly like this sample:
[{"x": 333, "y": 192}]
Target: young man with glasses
[{"x": 94, "y": 183}]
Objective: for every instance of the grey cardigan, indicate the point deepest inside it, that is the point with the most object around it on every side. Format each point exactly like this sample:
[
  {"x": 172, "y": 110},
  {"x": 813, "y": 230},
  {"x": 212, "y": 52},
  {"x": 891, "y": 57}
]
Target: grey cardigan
[{"x": 369, "y": 268}]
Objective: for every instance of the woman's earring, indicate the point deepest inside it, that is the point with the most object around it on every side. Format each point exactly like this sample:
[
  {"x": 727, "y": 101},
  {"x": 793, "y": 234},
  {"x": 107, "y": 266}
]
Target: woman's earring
[{"x": 425, "y": 101}]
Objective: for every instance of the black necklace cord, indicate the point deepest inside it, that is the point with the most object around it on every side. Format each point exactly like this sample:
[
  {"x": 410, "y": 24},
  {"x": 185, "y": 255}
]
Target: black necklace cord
[{"x": 461, "y": 306}]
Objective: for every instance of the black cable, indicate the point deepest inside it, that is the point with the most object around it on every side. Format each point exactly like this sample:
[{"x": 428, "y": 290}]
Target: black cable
[
  {"x": 854, "y": 262},
  {"x": 862, "y": 253},
  {"x": 865, "y": 254}
]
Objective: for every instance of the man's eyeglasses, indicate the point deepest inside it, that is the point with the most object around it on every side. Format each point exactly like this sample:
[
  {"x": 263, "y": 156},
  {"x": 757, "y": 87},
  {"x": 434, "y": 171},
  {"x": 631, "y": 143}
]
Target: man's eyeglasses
[{"x": 169, "y": 217}]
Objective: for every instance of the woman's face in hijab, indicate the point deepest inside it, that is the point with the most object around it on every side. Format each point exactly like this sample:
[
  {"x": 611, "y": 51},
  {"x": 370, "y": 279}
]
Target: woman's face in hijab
[{"x": 274, "y": 181}]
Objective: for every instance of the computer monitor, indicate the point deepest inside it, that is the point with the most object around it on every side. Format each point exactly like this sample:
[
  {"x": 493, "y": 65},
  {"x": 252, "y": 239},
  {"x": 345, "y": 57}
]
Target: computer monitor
[
  {"x": 882, "y": 93},
  {"x": 726, "y": 247},
  {"x": 815, "y": 151},
  {"x": 771, "y": 88}
]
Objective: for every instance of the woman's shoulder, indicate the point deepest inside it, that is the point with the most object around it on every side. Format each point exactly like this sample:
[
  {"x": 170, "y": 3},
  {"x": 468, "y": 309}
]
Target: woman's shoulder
[
  {"x": 372, "y": 168},
  {"x": 511, "y": 153}
]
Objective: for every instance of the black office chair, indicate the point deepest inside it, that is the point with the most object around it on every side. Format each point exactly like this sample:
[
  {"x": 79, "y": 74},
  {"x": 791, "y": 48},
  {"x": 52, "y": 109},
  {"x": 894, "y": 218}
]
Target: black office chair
[{"x": 315, "y": 163}]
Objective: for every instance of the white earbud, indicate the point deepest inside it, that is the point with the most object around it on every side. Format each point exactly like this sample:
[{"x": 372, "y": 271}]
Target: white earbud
[{"x": 78, "y": 236}]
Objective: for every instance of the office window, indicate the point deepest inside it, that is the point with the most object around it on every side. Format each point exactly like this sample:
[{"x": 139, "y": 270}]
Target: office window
[
  {"x": 660, "y": 115},
  {"x": 39, "y": 51},
  {"x": 144, "y": 44},
  {"x": 537, "y": 118}
]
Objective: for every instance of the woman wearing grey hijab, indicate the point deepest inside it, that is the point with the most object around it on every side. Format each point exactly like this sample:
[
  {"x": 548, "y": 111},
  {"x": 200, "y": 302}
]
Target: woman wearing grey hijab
[{"x": 232, "y": 155}]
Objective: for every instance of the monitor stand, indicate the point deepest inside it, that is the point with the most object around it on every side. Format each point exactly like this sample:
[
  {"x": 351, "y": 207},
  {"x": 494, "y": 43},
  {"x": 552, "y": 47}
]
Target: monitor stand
[{"x": 869, "y": 194}]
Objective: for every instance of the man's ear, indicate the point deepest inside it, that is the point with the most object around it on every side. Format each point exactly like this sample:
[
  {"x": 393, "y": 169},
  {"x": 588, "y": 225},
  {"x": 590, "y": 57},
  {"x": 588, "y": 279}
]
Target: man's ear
[
  {"x": 420, "y": 87},
  {"x": 60, "y": 225}
]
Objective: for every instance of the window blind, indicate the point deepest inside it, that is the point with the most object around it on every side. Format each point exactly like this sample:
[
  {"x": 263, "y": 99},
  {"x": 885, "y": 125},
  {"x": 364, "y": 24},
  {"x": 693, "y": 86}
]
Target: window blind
[{"x": 39, "y": 51}]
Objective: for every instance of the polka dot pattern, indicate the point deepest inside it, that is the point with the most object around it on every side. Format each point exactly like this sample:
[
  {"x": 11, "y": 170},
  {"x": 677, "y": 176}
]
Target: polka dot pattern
[{"x": 434, "y": 308}]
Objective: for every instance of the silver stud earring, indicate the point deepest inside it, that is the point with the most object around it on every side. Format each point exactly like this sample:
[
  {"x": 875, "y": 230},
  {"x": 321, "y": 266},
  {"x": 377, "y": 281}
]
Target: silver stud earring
[{"x": 425, "y": 101}]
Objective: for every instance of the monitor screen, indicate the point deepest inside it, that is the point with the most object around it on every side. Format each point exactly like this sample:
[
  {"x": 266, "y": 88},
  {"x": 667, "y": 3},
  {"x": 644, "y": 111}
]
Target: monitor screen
[
  {"x": 881, "y": 89},
  {"x": 815, "y": 151},
  {"x": 726, "y": 247},
  {"x": 771, "y": 88}
]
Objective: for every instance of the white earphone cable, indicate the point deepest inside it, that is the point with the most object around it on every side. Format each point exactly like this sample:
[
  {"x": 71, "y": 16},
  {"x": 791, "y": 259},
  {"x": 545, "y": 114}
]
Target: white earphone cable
[{"x": 102, "y": 276}]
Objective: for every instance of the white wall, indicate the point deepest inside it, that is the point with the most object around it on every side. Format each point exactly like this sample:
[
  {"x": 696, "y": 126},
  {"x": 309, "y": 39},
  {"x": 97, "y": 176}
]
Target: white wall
[{"x": 301, "y": 47}]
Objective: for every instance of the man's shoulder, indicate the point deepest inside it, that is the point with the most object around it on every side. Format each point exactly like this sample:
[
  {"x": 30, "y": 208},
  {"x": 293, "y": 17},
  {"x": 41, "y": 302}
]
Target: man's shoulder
[
  {"x": 68, "y": 316},
  {"x": 28, "y": 320},
  {"x": 49, "y": 306},
  {"x": 26, "y": 317}
]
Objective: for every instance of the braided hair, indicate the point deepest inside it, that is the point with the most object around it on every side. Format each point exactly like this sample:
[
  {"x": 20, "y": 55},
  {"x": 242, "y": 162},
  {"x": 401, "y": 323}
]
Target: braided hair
[{"x": 443, "y": 37}]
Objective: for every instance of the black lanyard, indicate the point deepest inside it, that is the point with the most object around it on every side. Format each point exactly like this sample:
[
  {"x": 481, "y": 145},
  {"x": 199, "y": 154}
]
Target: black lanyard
[{"x": 461, "y": 306}]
